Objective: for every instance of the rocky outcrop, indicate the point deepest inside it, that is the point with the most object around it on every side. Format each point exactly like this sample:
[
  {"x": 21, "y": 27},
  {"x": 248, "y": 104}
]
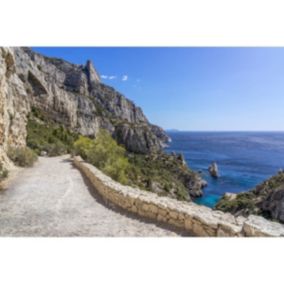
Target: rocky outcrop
[
  {"x": 139, "y": 138},
  {"x": 213, "y": 170},
  {"x": 266, "y": 200},
  {"x": 74, "y": 96}
]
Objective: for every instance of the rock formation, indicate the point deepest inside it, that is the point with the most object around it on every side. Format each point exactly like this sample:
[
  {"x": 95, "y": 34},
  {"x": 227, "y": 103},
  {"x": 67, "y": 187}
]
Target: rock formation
[
  {"x": 213, "y": 170},
  {"x": 72, "y": 95}
]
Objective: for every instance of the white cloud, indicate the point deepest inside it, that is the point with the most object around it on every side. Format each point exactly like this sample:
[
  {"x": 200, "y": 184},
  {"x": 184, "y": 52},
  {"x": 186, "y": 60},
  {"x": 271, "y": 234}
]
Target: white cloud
[
  {"x": 107, "y": 77},
  {"x": 124, "y": 77}
]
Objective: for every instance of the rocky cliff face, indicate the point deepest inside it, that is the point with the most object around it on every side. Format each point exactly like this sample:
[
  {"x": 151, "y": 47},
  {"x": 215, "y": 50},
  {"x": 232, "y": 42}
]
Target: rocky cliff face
[
  {"x": 72, "y": 95},
  {"x": 14, "y": 106}
]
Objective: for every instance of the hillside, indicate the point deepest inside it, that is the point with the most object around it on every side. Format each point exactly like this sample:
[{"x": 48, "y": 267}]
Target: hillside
[{"x": 266, "y": 199}]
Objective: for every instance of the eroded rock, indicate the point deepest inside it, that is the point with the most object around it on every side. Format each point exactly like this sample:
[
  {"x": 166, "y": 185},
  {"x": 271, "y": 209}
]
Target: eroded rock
[{"x": 213, "y": 170}]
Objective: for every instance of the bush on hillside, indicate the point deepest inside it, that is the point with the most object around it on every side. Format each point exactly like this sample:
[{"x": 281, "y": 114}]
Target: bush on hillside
[
  {"x": 157, "y": 173},
  {"x": 83, "y": 146},
  {"x": 48, "y": 136},
  {"x": 144, "y": 171},
  {"x": 3, "y": 172},
  {"x": 22, "y": 156},
  {"x": 105, "y": 154}
]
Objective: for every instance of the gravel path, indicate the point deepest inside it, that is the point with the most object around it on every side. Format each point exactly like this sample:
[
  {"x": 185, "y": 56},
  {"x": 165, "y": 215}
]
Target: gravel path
[{"x": 53, "y": 199}]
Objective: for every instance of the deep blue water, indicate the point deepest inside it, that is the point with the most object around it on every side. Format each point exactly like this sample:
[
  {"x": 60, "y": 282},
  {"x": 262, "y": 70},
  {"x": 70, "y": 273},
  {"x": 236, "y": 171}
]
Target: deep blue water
[{"x": 245, "y": 159}]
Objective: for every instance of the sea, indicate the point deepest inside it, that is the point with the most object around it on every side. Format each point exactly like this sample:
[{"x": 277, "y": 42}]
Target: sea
[{"x": 244, "y": 159}]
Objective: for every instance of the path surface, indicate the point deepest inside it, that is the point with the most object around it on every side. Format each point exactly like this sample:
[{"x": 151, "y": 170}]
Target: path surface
[{"x": 52, "y": 199}]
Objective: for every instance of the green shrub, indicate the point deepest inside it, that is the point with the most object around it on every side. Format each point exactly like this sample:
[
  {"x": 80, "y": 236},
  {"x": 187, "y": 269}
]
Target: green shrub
[
  {"x": 145, "y": 170},
  {"x": 3, "y": 172},
  {"x": 22, "y": 156},
  {"x": 83, "y": 146},
  {"x": 243, "y": 201},
  {"x": 105, "y": 154}
]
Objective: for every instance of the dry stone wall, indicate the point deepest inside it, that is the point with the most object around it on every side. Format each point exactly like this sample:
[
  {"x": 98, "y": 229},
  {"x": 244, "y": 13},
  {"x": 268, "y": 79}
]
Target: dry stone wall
[{"x": 198, "y": 220}]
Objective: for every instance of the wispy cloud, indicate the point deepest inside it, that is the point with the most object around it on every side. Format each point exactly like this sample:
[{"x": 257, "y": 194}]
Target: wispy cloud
[
  {"x": 124, "y": 77},
  {"x": 113, "y": 77},
  {"x": 108, "y": 77}
]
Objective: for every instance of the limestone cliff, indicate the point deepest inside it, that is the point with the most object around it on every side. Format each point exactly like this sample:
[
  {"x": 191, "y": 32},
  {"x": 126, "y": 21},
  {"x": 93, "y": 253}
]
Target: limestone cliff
[
  {"x": 70, "y": 94},
  {"x": 14, "y": 106}
]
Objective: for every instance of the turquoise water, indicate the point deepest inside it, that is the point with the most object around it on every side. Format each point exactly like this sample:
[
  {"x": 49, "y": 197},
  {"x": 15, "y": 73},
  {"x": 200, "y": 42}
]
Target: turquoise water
[{"x": 244, "y": 158}]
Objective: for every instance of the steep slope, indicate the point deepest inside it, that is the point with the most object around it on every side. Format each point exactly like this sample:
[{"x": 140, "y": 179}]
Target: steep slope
[{"x": 74, "y": 96}]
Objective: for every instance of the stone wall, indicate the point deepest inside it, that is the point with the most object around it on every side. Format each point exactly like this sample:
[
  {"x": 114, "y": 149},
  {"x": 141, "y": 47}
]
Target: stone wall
[{"x": 198, "y": 220}]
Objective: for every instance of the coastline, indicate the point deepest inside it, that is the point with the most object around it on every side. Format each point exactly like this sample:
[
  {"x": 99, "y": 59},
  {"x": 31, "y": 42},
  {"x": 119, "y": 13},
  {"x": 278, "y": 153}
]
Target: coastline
[{"x": 245, "y": 159}]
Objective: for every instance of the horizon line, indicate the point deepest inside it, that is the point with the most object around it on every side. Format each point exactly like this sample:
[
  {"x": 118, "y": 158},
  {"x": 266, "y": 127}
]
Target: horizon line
[{"x": 186, "y": 130}]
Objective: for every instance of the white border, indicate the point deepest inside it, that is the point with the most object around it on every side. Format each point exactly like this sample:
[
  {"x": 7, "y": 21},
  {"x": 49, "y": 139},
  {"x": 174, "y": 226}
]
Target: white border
[{"x": 141, "y": 23}]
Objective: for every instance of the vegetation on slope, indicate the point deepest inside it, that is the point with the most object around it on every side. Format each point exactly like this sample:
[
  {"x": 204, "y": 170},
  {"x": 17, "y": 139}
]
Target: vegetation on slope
[
  {"x": 148, "y": 172},
  {"x": 48, "y": 136},
  {"x": 161, "y": 173},
  {"x": 266, "y": 200},
  {"x": 3, "y": 173},
  {"x": 242, "y": 204},
  {"x": 105, "y": 154}
]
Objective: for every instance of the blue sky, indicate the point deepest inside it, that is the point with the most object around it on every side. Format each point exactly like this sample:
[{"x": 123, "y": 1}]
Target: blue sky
[{"x": 194, "y": 88}]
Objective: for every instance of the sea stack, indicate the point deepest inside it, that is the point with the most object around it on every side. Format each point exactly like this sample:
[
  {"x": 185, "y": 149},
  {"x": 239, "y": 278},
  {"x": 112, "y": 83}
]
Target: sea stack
[{"x": 213, "y": 170}]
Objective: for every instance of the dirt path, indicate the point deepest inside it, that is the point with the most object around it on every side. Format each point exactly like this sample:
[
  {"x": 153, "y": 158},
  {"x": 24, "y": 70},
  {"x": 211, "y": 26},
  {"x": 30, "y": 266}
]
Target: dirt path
[{"x": 53, "y": 199}]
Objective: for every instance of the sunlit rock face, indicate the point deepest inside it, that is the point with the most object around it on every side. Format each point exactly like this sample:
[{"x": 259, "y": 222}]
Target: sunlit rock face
[
  {"x": 70, "y": 94},
  {"x": 14, "y": 106}
]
